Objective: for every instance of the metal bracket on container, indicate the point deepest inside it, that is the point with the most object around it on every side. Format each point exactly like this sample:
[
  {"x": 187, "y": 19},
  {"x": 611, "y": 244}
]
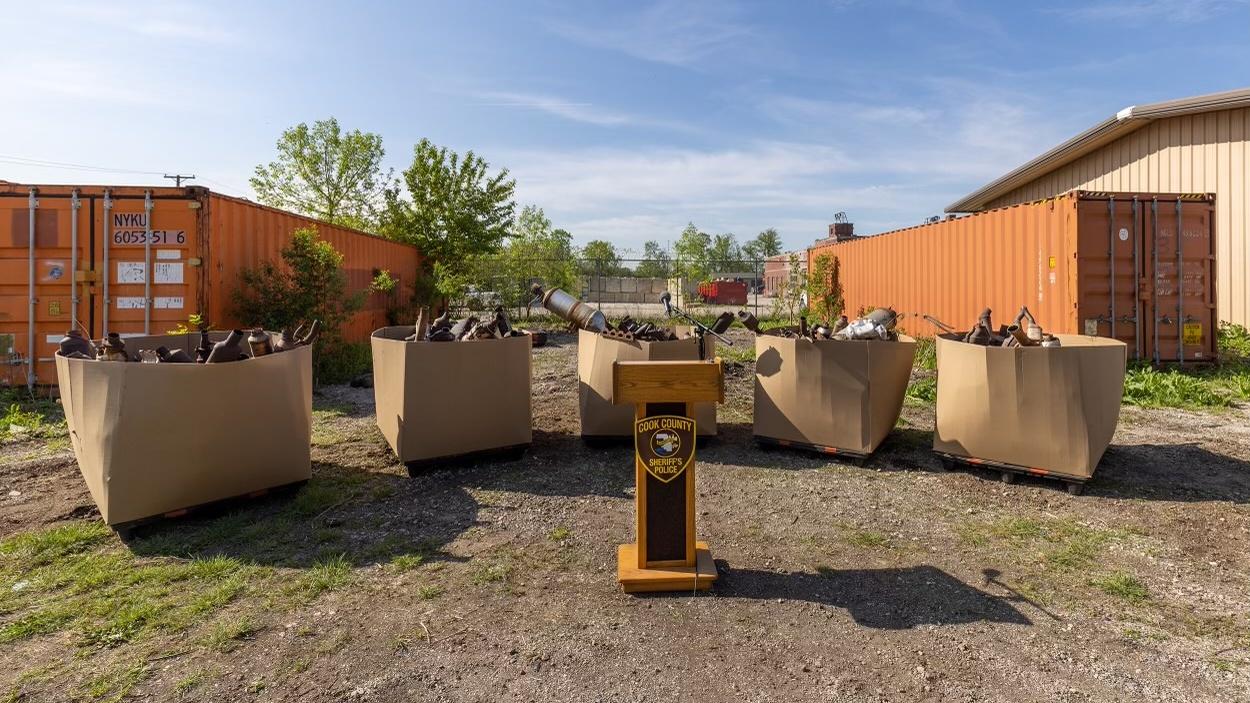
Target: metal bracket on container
[
  {"x": 147, "y": 262},
  {"x": 1180, "y": 285},
  {"x": 32, "y": 204},
  {"x": 108, "y": 238},
  {"x": 74, "y": 205}
]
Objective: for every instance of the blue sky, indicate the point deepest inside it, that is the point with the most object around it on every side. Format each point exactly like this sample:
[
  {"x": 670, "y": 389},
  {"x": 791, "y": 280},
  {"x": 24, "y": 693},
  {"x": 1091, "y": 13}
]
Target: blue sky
[{"x": 623, "y": 121}]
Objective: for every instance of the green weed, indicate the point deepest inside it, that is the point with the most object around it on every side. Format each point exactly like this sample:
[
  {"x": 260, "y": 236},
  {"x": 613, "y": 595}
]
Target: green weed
[
  {"x": 430, "y": 591},
  {"x": 559, "y": 534},
  {"x": 226, "y": 635},
  {"x": 406, "y": 562},
  {"x": 1122, "y": 585},
  {"x": 922, "y": 390}
]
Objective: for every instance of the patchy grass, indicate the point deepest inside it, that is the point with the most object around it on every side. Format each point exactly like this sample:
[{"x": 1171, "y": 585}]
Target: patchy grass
[
  {"x": 77, "y": 577},
  {"x": 227, "y": 634},
  {"x": 559, "y": 534},
  {"x": 325, "y": 575},
  {"x": 116, "y": 683},
  {"x": 430, "y": 591},
  {"x": 1122, "y": 585},
  {"x": 190, "y": 682},
  {"x": 867, "y": 539},
  {"x": 1060, "y": 544},
  {"x": 743, "y": 354},
  {"x": 490, "y": 572},
  {"x": 406, "y": 562}
]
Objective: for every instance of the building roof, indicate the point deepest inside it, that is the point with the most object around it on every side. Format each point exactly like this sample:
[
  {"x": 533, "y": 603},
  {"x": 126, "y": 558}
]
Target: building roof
[{"x": 1121, "y": 123}]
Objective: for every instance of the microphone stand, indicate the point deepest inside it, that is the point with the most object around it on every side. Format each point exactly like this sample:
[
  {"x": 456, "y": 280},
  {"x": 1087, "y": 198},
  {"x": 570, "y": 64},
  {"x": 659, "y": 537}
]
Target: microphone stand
[{"x": 700, "y": 329}]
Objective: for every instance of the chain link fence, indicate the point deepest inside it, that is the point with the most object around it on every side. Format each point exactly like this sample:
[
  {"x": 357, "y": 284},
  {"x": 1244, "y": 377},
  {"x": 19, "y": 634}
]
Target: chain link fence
[{"x": 633, "y": 287}]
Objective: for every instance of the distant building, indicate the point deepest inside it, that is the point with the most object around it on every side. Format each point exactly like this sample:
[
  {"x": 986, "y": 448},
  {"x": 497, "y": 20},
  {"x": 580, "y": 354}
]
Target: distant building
[
  {"x": 777, "y": 271},
  {"x": 839, "y": 231}
]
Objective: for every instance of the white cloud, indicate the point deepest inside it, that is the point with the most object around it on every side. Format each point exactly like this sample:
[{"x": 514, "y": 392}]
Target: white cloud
[
  {"x": 676, "y": 32},
  {"x": 575, "y": 111},
  {"x": 172, "y": 21},
  {"x": 583, "y": 112},
  {"x": 1142, "y": 11}
]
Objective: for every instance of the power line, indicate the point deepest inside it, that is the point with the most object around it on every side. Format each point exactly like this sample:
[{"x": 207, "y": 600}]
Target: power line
[
  {"x": 45, "y": 163},
  {"x": 24, "y": 161}
]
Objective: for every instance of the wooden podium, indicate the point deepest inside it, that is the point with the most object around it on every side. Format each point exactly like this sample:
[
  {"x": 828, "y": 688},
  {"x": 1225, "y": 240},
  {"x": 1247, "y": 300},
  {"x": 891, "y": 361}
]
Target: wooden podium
[{"x": 666, "y": 556}]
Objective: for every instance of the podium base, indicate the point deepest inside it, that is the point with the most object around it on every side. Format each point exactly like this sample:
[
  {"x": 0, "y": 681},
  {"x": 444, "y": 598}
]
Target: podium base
[{"x": 699, "y": 577}]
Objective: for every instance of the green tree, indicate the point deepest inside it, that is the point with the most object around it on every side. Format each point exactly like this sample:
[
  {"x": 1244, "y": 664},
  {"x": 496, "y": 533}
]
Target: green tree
[
  {"x": 824, "y": 288},
  {"x": 307, "y": 284},
  {"x": 767, "y": 243},
  {"x": 323, "y": 172},
  {"x": 724, "y": 254},
  {"x": 455, "y": 212},
  {"x": 599, "y": 257},
  {"x": 534, "y": 253},
  {"x": 691, "y": 254},
  {"x": 656, "y": 263}
]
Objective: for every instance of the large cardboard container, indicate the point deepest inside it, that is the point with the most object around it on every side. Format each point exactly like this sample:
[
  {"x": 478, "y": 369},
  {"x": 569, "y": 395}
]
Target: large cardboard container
[
  {"x": 830, "y": 393},
  {"x": 1051, "y": 409},
  {"x": 155, "y": 438},
  {"x": 447, "y": 399},
  {"x": 595, "y": 356}
]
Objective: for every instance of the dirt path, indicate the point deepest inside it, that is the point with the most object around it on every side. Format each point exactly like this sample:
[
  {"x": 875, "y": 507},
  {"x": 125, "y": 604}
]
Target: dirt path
[{"x": 891, "y": 582}]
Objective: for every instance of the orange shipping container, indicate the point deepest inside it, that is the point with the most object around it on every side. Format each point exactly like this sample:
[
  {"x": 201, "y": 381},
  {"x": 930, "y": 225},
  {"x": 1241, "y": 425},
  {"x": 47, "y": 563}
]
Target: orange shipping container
[
  {"x": 1084, "y": 263},
  {"x": 93, "y": 245}
]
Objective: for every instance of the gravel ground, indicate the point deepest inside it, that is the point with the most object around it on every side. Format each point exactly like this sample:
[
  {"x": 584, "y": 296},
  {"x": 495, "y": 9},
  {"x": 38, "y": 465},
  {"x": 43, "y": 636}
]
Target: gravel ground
[{"x": 895, "y": 581}]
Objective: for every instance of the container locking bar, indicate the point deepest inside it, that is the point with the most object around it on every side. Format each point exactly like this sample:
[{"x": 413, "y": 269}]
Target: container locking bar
[{"x": 32, "y": 204}]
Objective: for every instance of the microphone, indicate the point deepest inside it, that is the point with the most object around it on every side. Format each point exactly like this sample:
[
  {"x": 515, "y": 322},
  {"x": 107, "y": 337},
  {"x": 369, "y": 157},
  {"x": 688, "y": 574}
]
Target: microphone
[{"x": 667, "y": 299}]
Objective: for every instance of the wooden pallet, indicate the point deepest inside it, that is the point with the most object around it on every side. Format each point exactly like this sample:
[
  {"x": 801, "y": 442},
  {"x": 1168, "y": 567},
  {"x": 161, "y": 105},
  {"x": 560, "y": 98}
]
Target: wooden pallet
[
  {"x": 1008, "y": 472},
  {"x": 503, "y": 454},
  {"x": 851, "y": 457},
  {"x": 129, "y": 529}
]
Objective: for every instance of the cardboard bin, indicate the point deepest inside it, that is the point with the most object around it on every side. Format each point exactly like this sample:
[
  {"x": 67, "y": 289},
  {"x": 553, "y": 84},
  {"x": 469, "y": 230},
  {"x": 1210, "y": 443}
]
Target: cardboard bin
[
  {"x": 595, "y": 356},
  {"x": 439, "y": 400},
  {"x": 155, "y": 438},
  {"x": 839, "y": 394},
  {"x": 1048, "y": 409}
]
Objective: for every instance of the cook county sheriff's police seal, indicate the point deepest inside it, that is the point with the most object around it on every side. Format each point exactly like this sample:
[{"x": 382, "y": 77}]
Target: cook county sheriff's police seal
[{"x": 665, "y": 445}]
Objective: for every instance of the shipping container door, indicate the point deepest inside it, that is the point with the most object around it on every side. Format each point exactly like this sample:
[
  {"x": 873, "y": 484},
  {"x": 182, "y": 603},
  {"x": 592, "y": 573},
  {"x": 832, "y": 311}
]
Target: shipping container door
[
  {"x": 28, "y": 342},
  {"x": 1180, "y": 314},
  {"x": 141, "y": 234},
  {"x": 1109, "y": 246}
]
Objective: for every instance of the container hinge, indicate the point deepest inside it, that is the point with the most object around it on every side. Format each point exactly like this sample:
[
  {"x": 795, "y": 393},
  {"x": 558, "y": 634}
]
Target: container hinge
[
  {"x": 1165, "y": 320},
  {"x": 1131, "y": 319},
  {"x": 87, "y": 277}
]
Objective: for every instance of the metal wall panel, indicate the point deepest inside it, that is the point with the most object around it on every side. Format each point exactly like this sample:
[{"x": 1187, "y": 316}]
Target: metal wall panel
[
  {"x": 1055, "y": 256},
  {"x": 1203, "y": 153}
]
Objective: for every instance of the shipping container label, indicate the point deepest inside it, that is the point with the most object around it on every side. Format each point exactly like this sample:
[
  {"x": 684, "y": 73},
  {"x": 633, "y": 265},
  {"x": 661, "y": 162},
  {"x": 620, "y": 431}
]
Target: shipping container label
[
  {"x": 136, "y": 272},
  {"x": 130, "y": 229},
  {"x": 169, "y": 253},
  {"x": 158, "y": 303},
  {"x": 1193, "y": 333},
  {"x": 52, "y": 271}
]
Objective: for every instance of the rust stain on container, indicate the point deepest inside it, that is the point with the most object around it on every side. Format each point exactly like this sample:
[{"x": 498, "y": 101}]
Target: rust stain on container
[
  {"x": 1083, "y": 262},
  {"x": 94, "y": 245}
]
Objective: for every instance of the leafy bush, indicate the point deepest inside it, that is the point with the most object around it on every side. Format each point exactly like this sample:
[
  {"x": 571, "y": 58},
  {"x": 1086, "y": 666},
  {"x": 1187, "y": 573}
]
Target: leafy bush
[
  {"x": 343, "y": 361},
  {"x": 308, "y": 284},
  {"x": 1147, "y": 387},
  {"x": 1233, "y": 341}
]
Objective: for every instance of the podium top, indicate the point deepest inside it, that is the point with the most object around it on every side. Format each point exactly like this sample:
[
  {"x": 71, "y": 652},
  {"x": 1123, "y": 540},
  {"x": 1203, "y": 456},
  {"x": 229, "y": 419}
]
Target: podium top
[{"x": 668, "y": 382}]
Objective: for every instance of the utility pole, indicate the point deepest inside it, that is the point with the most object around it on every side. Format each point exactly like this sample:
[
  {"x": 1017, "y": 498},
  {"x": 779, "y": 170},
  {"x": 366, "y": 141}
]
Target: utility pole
[{"x": 178, "y": 178}]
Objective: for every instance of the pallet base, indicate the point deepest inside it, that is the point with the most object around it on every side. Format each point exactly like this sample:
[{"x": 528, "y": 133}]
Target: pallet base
[
  {"x": 504, "y": 454},
  {"x": 852, "y": 457},
  {"x": 1008, "y": 472},
  {"x": 127, "y": 529},
  {"x": 699, "y": 577}
]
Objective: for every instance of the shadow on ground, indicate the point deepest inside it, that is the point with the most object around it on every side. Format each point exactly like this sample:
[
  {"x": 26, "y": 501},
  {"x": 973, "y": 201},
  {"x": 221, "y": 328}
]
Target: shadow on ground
[
  {"x": 1175, "y": 472},
  {"x": 889, "y": 599}
]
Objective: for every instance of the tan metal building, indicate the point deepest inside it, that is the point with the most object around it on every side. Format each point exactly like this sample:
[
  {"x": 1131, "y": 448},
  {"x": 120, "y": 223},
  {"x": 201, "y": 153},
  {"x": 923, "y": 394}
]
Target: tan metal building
[{"x": 1193, "y": 145}]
